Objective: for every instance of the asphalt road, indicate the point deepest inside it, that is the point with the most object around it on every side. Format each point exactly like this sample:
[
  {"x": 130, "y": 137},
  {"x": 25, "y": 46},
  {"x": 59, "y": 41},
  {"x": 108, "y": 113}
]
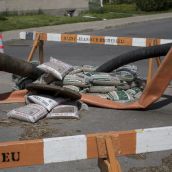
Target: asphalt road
[{"x": 96, "y": 119}]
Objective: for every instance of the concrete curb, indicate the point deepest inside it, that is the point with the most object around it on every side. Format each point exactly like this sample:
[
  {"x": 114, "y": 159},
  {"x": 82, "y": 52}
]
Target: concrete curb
[{"x": 96, "y": 25}]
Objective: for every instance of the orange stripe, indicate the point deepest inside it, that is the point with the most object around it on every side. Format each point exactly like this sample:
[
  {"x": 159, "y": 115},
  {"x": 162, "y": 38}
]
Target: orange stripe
[
  {"x": 21, "y": 153},
  {"x": 97, "y": 39},
  {"x": 69, "y": 38},
  {"x": 124, "y": 143},
  {"x": 152, "y": 41},
  {"x": 124, "y": 41}
]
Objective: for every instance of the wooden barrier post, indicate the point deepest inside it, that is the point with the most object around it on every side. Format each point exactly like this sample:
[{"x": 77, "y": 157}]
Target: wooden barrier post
[
  {"x": 105, "y": 146},
  {"x": 37, "y": 43},
  {"x": 149, "y": 43},
  {"x": 41, "y": 51}
]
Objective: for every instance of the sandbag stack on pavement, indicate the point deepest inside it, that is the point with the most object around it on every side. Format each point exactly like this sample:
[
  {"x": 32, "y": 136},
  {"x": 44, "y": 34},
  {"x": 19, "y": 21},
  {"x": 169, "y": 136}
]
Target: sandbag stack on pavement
[{"x": 121, "y": 85}]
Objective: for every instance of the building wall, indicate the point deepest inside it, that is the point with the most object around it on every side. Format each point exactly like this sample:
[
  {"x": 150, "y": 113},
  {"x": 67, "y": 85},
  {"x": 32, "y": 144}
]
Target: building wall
[{"x": 47, "y": 5}]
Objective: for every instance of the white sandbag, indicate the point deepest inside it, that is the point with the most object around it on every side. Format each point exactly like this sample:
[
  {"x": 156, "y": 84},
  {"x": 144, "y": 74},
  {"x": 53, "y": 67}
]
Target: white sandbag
[
  {"x": 64, "y": 112},
  {"x": 46, "y": 101},
  {"x": 56, "y": 67},
  {"x": 30, "y": 113}
]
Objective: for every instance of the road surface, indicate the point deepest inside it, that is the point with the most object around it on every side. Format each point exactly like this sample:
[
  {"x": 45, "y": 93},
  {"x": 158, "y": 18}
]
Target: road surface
[{"x": 97, "y": 119}]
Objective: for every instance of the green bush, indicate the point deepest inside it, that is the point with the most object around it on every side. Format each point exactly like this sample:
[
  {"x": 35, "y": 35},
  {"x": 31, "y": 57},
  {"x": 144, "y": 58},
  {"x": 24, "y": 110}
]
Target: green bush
[
  {"x": 152, "y": 5},
  {"x": 2, "y": 18},
  {"x": 170, "y": 3},
  {"x": 123, "y": 1}
]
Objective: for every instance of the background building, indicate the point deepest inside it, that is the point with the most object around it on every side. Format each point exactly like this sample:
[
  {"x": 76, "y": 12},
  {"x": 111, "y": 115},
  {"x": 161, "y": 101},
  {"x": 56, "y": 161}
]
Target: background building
[{"x": 47, "y": 6}]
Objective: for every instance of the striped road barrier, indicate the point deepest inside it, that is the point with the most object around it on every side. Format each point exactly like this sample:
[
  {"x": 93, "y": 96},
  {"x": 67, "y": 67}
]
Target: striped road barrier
[
  {"x": 1, "y": 45},
  {"x": 80, "y": 147},
  {"x": 91, "y": 39}
]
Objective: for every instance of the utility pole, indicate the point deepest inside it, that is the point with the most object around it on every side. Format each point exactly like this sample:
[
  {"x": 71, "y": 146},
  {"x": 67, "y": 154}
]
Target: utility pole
[{"x": 101, "y": 3}]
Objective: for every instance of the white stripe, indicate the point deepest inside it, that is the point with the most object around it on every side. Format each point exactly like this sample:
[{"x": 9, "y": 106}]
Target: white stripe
[
  {"x": 22, "y": 35},
  {"x": 53, "y": 37},
  {"x": 109, "y": 40},
  {"x": 34, "y": 35},
  {"x": 165, "y": 41},
  {"x": 65, "y": 149},
  {"x": 83, "y": 39},
  {"x": 155, "y": 139},
  {"x": 140, "y": 42},
  {"x": 1, "y": 50}
]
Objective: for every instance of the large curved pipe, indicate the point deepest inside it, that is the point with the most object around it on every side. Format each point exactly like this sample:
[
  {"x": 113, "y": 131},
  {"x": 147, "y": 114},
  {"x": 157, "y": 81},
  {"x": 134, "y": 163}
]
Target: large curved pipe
[
  {"x": 133, "y": 56},
  {"x": 19, "y": 67}
]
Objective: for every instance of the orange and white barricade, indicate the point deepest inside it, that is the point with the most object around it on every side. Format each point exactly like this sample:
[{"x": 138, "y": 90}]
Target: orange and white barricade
[
  {"x": 104, "y": 146},
  {"x": 1, "y": 44}
]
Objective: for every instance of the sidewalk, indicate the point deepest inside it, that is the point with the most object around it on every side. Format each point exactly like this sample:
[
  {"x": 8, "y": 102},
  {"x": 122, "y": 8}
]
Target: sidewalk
[{"x": 96, "y": 25}]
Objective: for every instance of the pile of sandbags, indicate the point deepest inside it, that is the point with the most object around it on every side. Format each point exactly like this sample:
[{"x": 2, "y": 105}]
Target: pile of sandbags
[{"x": 121, "y": 85}]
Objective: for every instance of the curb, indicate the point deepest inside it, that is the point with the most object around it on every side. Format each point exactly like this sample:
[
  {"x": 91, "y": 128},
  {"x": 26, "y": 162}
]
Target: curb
[{"x": 96, "y": 25}]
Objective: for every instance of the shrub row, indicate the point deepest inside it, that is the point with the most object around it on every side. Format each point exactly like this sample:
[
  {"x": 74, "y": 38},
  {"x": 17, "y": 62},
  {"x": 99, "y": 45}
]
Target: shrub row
[{"x": 153, "y": 5}]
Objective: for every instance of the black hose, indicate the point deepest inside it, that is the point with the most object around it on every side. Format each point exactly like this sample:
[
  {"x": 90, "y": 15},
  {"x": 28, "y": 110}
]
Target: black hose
[
  {"x": 133, "y": 56},
  {"x": 19, "y": 67}
]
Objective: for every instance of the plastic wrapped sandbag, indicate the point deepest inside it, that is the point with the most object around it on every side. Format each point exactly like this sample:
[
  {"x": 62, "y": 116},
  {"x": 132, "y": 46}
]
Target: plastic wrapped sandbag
[
  {"x": 56, "y": 67},
  {"x": 76, "y": 69},
  {"x": 72, "y": 87},
  {"x": 46, "y": 78},
  {"x": 138, "y": 95},
  {"x": 48, "y": 102},
  {"x": 30, "y": 113},
  {"x": 88, "y": 68},
  {"x": 84, "y": 68},
  {"x": 101, "y": 89},
  {"x": 64, "y": 112},
  {"x": 120, "y": 96},
  {"x": 105, "y": 96},
  {"x": 133, "y": 91},
  {"x": 126, "y": 73},
  {"x": 123, "y": 86},
  {"x": 76, "y": 80},
  {"x": 131, "y": 68},
  {"x": 103, "y": 79}
]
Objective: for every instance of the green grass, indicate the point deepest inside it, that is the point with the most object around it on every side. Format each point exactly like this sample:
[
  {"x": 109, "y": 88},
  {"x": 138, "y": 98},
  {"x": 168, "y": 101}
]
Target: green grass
[
  {"x": 28, "y": 21},
  {"x": 12, "y": 22}
]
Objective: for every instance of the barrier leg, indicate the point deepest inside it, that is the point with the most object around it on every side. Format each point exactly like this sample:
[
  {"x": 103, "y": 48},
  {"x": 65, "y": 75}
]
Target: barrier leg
[
  {"x": 158, "y": 61},
  {"x": 35, "y": 45},
  {"x": 107, "y": 161},
  {"x": 150, "y": 70},
  {"x": 41, "y": 51}
]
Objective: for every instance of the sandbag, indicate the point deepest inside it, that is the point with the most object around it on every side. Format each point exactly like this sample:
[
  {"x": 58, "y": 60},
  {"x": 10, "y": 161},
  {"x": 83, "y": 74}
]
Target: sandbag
[
  {"x": 29, "y": 113},
  {"x": 56, "y": 67},
  {"x": 101, "y": 89},
  {"x": 76, "y": 80},
  {"x": 64, "y": 112},
  {"x": 47, "y": 101},
  {"x": 53, "y": 90},
  {"x": 120, "y": 96}
]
